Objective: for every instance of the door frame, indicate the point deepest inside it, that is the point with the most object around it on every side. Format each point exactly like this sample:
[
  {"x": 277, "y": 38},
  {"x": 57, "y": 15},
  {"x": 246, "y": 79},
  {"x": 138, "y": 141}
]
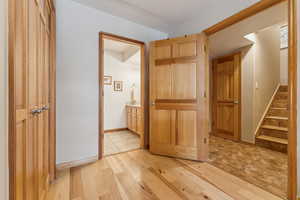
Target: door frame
[
  {"x": 213, "y": 109},
  {"x": 144, "y": 88},
  {"x": 292, "y": 71},
  {"x": 12, "y": 117}
]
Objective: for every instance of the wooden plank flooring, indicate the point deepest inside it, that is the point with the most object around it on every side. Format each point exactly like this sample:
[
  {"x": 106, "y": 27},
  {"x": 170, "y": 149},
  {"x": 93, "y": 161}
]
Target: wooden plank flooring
[{"x": 140, "y": 175}]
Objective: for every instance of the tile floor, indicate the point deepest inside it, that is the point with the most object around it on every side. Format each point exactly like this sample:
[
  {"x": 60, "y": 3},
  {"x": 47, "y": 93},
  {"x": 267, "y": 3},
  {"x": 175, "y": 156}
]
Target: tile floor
[{"x": 120, "y": 141}]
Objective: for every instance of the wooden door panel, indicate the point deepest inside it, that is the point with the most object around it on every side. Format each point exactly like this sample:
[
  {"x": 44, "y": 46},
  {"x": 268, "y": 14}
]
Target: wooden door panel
[
  {"x": 225, "y": 118},
  {"x": 31, "y": 140},
  {"x": 163, "y": 81},
  {"x": 187, "y": 128},
  {"x": 20, "y": 157},
  {"x": 162, "y": 126},
  {"x": 225, "y": 81},
  {"x": 184, "y": 86},
  {"x": 185, "y": 49},
  {"x": 178, "y": 85},
  {"x": 40, "y": 158},
  {"x": 162, "y": 52}
]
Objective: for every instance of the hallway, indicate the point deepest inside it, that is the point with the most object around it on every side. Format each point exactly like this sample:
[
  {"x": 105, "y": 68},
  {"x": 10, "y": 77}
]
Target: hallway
[{"x": 140, "y": 175}]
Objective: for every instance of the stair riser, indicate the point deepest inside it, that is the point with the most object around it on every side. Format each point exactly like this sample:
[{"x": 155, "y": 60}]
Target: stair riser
[
  {"x": 283, "y": 89},
  {"x": 274, "y": 133},
  {"x": 281, "y": 96},
  {"x": 279, "y": 113},
  {"x": 279, "y": 104},
  {"x": 271, "y": 145},
  {"x": 276, "y": 122}
]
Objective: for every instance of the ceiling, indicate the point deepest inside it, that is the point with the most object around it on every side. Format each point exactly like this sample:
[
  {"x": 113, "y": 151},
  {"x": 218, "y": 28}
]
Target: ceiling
[
  {"x": 171, "y": 16},
  {"x": 117, "y": 46},
  {"x": 276, "y": 15},
  {"x": 122, "y": 51}
]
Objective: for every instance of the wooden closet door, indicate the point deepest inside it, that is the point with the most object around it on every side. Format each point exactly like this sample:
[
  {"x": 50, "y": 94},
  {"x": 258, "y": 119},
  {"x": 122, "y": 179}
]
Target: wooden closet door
[
  {"x": 226, "y": 97},
  {"x": 178, "y": 96},
  {"x": 43, "y": 102},
  {"x": 29, "y": 66},
  {"x": 20, "y": 116}
]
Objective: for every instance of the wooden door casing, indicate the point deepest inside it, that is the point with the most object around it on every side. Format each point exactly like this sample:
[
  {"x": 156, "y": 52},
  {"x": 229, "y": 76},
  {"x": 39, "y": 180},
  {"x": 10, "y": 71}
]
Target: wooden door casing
[
  {"x": 226, "y": 97},
  {"x": 179, "y": 97}
]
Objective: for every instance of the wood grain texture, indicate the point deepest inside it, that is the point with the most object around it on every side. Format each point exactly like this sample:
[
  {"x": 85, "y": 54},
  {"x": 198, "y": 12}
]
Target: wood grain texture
[
  {"x": 292, "y": 97},
  {"x": 248, "y": 12},
  {"x": 30, "y": 65},
  {"x": 226, "y": 94},
  {"x": 140, "y": 175},
  {"x": 178, "y": 95}
]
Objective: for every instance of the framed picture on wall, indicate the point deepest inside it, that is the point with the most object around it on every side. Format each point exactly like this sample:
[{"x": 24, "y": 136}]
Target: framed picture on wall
[
  {"x": 107, "y": 80},
  {"x": 118, "y": 86}
]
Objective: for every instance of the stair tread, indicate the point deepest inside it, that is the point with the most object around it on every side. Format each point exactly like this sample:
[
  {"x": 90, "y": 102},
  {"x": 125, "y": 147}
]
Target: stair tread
[
  {"x": 274, "y": 128},
  {"x": 277, "y": 108},
  {"x": 282, "y": 92},
  {"x": 277, "y": 117},
  {"x": 273, "y": 139}
]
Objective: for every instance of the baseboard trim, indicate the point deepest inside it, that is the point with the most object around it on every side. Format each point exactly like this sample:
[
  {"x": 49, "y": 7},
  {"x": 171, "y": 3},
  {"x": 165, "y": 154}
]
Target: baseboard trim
[
  {"x": 115, "y": 130},
  {"x": 76, "y": 163}
]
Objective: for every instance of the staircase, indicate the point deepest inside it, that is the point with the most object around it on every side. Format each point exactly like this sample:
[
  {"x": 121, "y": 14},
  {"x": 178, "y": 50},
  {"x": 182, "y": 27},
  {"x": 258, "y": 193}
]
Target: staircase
[{"x": 273, "y": 132}]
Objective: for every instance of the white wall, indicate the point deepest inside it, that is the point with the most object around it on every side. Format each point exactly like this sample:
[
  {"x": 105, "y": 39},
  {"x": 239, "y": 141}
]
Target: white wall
[
  {"x": 114, "y": 101},
  {"x": 284, "y": 66},
  {"x": 247, "y": 94},
  {"x": 3, "y": 102},
  {"x": 78, "y": 30},
  {"x": 266, "y": 69}
]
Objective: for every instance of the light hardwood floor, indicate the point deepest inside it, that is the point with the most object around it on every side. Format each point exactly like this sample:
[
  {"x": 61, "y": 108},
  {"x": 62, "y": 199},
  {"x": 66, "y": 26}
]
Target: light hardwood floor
[
  {"x": 120, "y": 141},
  {"x": 140, "y": 175}
]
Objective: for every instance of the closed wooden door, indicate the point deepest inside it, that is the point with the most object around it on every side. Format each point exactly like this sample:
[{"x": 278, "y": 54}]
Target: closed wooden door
[
  {"x": 29, "y": 71},
  {"x": 179, "y": 97},
  {"x": 226, "y": 97}
]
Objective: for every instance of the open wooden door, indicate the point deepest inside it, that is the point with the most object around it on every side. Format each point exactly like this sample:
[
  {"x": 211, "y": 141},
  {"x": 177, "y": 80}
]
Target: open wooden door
[
  {"x": 226, "y": 97},
  {"x": 179, "y": 101}
]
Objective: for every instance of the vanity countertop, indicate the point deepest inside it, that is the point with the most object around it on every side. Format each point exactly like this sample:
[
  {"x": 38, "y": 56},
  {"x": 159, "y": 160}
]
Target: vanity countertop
[{"x": 134, "y": 105}]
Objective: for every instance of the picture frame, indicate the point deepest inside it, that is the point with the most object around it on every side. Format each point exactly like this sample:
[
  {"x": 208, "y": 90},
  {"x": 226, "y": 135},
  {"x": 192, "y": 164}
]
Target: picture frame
[
  {"x": 118, "y": 86},
  {"x": 107, "y": 80}
]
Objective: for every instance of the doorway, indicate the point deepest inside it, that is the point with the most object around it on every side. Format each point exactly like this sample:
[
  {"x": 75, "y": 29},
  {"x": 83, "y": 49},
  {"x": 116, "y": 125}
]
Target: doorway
[
  {"x": 265, "y": 124},
  {"x": 121, "y": 100}
]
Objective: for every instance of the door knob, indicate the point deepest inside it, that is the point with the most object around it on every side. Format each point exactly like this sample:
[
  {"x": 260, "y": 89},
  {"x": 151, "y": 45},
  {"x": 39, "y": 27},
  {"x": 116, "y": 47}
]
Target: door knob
[
  {"x": 44, "y": 108},
  {"x": 36, "y": 111},
  {"x": 236, "y": 102},
  {"x": 153, "y": 103}
]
